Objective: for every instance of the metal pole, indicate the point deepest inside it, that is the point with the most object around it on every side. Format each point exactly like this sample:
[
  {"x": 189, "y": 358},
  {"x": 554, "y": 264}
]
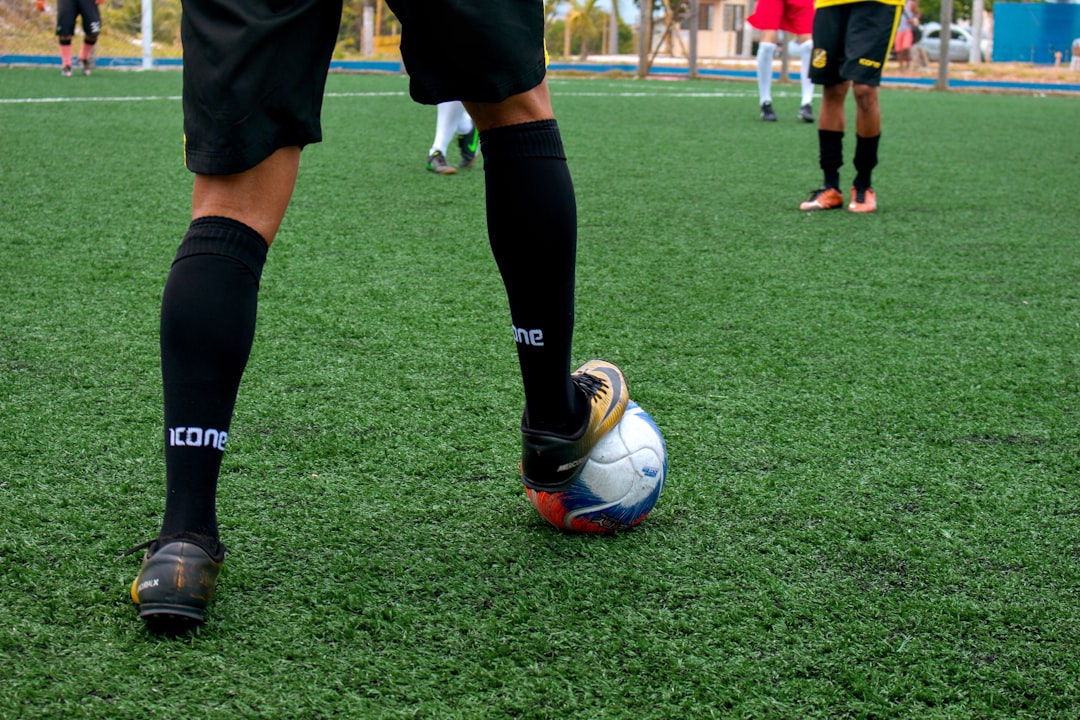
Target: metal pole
[{"x": 147, "y": 34}]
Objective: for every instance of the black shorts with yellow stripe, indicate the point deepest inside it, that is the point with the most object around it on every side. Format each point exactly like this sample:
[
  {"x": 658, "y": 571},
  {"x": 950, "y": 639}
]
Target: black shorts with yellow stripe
[
  {"x": 852, "y": 42},
  {"x": 255, "y": 70}
]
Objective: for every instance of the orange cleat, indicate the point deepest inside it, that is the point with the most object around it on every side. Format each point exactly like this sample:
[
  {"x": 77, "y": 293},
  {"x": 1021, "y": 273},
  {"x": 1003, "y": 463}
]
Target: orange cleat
[
  {"x": 825, "y": 198},
  {"x": 862, "y": 201}
]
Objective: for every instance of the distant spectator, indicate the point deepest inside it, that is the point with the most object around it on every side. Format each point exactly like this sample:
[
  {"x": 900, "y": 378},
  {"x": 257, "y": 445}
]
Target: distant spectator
[
  {"x": 67, "y": 13},
  {"x": 905, "y": 34}
]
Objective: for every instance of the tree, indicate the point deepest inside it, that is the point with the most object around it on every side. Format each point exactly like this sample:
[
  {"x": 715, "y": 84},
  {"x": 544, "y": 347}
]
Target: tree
[
  {"x": 126, "y": 18},
  {"x": 584, "y": 21},
  {"x": 931, "y": 9}
]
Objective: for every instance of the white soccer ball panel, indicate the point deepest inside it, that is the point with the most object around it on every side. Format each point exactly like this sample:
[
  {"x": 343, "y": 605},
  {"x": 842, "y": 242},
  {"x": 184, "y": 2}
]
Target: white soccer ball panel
[{"x": 629, "y": 462}]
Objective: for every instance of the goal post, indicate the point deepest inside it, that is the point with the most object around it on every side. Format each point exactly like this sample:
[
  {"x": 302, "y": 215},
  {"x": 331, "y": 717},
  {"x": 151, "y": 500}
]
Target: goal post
[{"x": 147, "y": 34}]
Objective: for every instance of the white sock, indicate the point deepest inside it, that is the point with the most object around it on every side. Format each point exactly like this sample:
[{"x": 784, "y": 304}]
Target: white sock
[
  {"x": 764, "y": 71},
  {"x": 447, "y": 119},
  {"x": 465, "y": 124},
  {"x": 805, "y": 51}
]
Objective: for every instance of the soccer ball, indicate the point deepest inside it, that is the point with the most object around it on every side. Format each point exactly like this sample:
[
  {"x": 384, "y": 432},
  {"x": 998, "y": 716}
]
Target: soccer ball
[{"x": 620, "y": 483}]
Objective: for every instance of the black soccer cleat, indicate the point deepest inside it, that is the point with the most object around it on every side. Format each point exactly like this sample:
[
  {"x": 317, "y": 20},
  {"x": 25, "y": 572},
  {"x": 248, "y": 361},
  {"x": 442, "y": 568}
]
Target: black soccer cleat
[
  {"x": 470, "y": 146},
  {"x": 767, "y": 112},
  {"x": 551, "y": 462},
  {"x": 175, "y": 585},
  {"x": 806, "y": 113}
]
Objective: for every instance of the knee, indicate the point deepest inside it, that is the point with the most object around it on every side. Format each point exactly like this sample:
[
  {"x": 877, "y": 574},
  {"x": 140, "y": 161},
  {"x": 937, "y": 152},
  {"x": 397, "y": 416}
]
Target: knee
[
  {"x": 835, "y": 93},
  {"x": 529, "y": 106},
  {"x": 865, "y": 95}
]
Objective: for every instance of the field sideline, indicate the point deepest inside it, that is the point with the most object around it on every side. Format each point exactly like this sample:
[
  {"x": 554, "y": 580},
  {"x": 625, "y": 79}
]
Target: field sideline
[{"x": 873, "y": 422}]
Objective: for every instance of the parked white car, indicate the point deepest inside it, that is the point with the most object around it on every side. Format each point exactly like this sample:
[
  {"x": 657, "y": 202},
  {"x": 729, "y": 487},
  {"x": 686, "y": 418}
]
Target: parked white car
[{"x": 959, "y": 43}]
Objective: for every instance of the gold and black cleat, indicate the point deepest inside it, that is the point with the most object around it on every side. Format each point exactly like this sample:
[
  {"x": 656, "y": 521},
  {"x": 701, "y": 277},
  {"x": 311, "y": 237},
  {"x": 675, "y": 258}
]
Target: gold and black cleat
[{"x": 551, "y": 462}]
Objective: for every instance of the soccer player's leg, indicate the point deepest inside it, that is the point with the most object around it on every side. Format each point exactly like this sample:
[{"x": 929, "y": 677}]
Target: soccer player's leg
[
  {"x": 798, "y": 20},
  {"x": 532, "y": 228},
  {"x": 806, "y": 85},
  {"x": 831, "y": 123},
  {"x": 497, "y": 67},
  {"x": 766, "y": 18},
  {"x": 208, "y": 313},
  {"x": 66, "y": 14},
  {"x": 825, "y": 61},
  {"x": 91, "y": 18},
  {"x": 86, "y": 55},
  {"x": 65, "y": 55},
  {"x": 867, "y": 137},
  {"x": 766, "y": 49},
  {"x": 869, "y": 38},
  {"x": 238, "y": 145},
  {"x": 446, "y": 122},
  {"x": 468, "y": 140}
]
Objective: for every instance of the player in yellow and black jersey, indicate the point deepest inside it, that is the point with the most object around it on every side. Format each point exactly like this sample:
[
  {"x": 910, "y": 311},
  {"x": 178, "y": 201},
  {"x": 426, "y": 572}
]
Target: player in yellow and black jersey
[{"x": 851, "y": 43}]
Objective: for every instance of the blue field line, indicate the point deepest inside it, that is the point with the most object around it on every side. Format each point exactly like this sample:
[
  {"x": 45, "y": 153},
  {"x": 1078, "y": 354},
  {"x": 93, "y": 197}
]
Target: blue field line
[
  {"x": 99, "y": 62},
  {"x": 395, "y": 66},
  {"x": 677, "y": 71},
  {"x": 392, "y": 66},
  {"x": 383, "y": 66},
  {"x": 659, "y": 71}
]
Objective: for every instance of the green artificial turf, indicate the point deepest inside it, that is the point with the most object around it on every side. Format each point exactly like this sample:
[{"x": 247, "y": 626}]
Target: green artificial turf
[{"x": 872, "y": 508}]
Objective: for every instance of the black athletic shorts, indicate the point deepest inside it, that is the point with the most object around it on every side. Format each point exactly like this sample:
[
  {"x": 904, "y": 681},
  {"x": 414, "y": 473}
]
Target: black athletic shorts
[
  {"x": 68, "y": 10},
  {"x": 480, "y": 50},
  {"x": 255, "y": 70},
  {"x": 254, "y": 76},
  {"x": 852, "y": 41}
]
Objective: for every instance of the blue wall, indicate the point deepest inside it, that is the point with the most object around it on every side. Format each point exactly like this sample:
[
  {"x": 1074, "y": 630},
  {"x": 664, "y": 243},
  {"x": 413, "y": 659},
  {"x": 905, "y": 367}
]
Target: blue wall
[{"x": 1033, "y": 32}]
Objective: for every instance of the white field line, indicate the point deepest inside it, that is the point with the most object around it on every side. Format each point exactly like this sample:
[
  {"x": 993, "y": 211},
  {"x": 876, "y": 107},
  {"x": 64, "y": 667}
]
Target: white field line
[{"x": 147, "y": 98}]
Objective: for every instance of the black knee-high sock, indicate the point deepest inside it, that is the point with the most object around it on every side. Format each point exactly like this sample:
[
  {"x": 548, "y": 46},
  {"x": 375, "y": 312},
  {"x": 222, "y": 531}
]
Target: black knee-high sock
[
  {"x": 532, "y": 228},
  {"x": 831, "y": 155},
  {"x": 207, "y": 325},
  {"x": 866, "y": 159}
]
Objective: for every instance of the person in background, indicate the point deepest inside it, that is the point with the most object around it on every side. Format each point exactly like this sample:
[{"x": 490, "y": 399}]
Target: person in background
[
  {"x": 67, "y": 13},
  {"x": 452, "y": 119},
  {"x": 851, "y": 43},
  {"x": 795, "y": 17},
  {"x": 905, "y": 34}
]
